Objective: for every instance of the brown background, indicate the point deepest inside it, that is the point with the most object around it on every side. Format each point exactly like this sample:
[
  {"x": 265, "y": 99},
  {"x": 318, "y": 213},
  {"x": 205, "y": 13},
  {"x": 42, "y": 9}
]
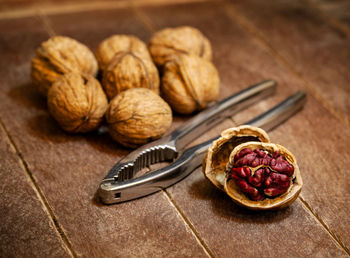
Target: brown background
[{"x": 49, "y": 178}]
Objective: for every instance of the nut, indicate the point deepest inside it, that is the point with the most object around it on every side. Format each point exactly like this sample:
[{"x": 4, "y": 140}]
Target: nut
[
  {"x": 77, "y": 102},
  {"x": 126, "y": 70},
  {"x": 262, "y": 176},
  {"x": 116, "y": 43},
  {"x": 169, "y": 42},
  {"x": 189, "y": 83},
  {"x": 137, "y": 116},
  {"x": 217, "y": 157},
  {"x": 57, "y": 56}
]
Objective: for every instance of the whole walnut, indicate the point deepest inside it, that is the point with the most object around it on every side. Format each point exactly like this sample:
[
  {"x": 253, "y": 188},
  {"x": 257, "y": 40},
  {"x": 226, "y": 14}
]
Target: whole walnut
[
  {"x": 126, "y": 71},
  {"x": 181, "y": 40},
  {"x": 116, "y": 43},
  {"x": 137, "y": 116},
  {"x": 57, "y": 56},
  {"x": 189, "y": 83},
  {"x": 77, "y": 102}
]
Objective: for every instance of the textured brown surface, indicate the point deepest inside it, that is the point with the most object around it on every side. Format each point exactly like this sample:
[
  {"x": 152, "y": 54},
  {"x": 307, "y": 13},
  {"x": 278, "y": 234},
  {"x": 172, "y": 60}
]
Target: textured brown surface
[
  {"x": 316, "y": 49},
  {"x": 69, "y": 179},
  {"x": 238, "y": 67},
  {"x": 192, "y": 218},
  {"x": 25, "y": 228},
  {"x": 336, "y": 9}
]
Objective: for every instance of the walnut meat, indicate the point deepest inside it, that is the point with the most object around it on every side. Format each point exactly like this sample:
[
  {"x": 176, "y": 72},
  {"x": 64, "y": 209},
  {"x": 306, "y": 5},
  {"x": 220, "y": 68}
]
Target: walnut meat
[
  {"x": 170, "y": 42},
  {"x": 189, "y": 83},
  {"x": 137, "y": 116},
  {"x": 57, "y": 56},
  {"x": 262, "y": 176},
  {"x": 126, "y": 70},
  {"x": 77, "y": 102},
  {"x": 116, "y": 43}
]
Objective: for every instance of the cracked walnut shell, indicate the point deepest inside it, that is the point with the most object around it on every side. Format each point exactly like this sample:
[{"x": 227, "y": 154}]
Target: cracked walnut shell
[
  {"x": 126, "y": 70},
  {"x": 170, "y": 42},
  {"x": 217, "y": 156},
  {"x": 117, "y": 43},
  {"x": 137, "y": 116},
  {"x": 57, "y": 56},
  {"x": 77, "y": 102},
  {"x": 189, "y": 83}
]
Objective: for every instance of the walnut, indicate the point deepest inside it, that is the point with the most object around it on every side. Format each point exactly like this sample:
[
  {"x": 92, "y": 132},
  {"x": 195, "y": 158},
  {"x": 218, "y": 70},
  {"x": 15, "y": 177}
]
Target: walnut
[
  {"x": 77, "y": 102},
  {"x": 137, "y": 116},
  {"x": 116, "y": 43},
  {"x": 254, "y": 172},
  {"x": 126, "y": 70},
  {"x": 189, "y": 83},
  {"x": 270, "y": 180},
  {"x": 57, "y": 56},
  {"x": 181, "y": 40}
]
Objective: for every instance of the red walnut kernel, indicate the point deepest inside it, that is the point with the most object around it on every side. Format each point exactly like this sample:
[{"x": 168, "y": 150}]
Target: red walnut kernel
[
  {"x": 217, "y": 157},
  {"x": 262, "y": 176},
  {"x": 271, "y": 180}
]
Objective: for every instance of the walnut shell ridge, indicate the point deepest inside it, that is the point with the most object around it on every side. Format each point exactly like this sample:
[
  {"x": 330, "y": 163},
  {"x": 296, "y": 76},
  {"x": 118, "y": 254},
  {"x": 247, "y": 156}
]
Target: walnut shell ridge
[
  {"x": 189, "y": 83},
  {"x": 126, "y": 70},
  {"x": 275, "y": 203},
  {"x": 218, "y": 154},
  {"x": 117, "y": 43},
  {"x": 170, "y": 42},
  {"x": 77, "y": 102},
  {"x": 57, "y": 56},
  {"x": 137, "y": 116}
]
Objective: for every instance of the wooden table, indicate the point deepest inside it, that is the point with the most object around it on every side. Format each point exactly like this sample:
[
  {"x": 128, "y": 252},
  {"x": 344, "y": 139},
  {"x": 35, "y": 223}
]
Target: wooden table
[{"x": 48, "y": 206}]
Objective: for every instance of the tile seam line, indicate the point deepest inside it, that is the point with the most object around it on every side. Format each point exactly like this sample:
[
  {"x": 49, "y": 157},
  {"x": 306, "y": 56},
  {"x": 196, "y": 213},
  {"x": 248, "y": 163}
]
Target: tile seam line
[
  {"x": 333, "y": 21},
  {"x": 233, "y": 14},
  {"x": 67, "y": 8},
  {"x": 186, "y": 221},
  {"x": 319, "y": 220},
  {"x": 46, "y": 23},
  {"x": 253, "y": 31},
  {"x": 39, "y": 193},
  {"x": 147, "y": 22},
  {"x": 48, "y": 28},
  {"x": 188, "y": 224}
]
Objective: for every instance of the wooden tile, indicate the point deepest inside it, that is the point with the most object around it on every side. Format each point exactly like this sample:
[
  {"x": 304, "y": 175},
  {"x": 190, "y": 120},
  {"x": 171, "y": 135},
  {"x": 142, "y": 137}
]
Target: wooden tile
[
  {"x": 242, "y": 60},
  {"x": 229, "y": 230},
  {"x": 68, "y": 168},
  {"x": 317, "y": 50},
  {"x": 94, "y": 26},
  {"x": 6, "y": 5},
  {"x": 25, "y": 226},
  {"x": 337, "y": 9}
]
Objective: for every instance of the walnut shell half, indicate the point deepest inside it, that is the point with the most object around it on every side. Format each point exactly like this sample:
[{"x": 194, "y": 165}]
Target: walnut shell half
[
  {"x": 290, "y": 193},
  {"x": 126, "y": 71},
  {"x": 77, "y": 102},
  {"x": 189, "y": 83},
  {"x": 217, "y": 157},
  {"x": 116, "y": 43},
  {"x": 169, "y": 42},
  {"x": 57, "y": 56},
  {"x": 137, "y": 116}
]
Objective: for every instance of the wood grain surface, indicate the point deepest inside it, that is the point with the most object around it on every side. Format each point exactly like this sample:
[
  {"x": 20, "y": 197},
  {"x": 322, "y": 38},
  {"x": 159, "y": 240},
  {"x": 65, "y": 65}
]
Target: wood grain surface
[
  {"x": 289, "y": 41},
  {"x": 26, "y": 227},
  {"x": 312, "y": 47}
]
